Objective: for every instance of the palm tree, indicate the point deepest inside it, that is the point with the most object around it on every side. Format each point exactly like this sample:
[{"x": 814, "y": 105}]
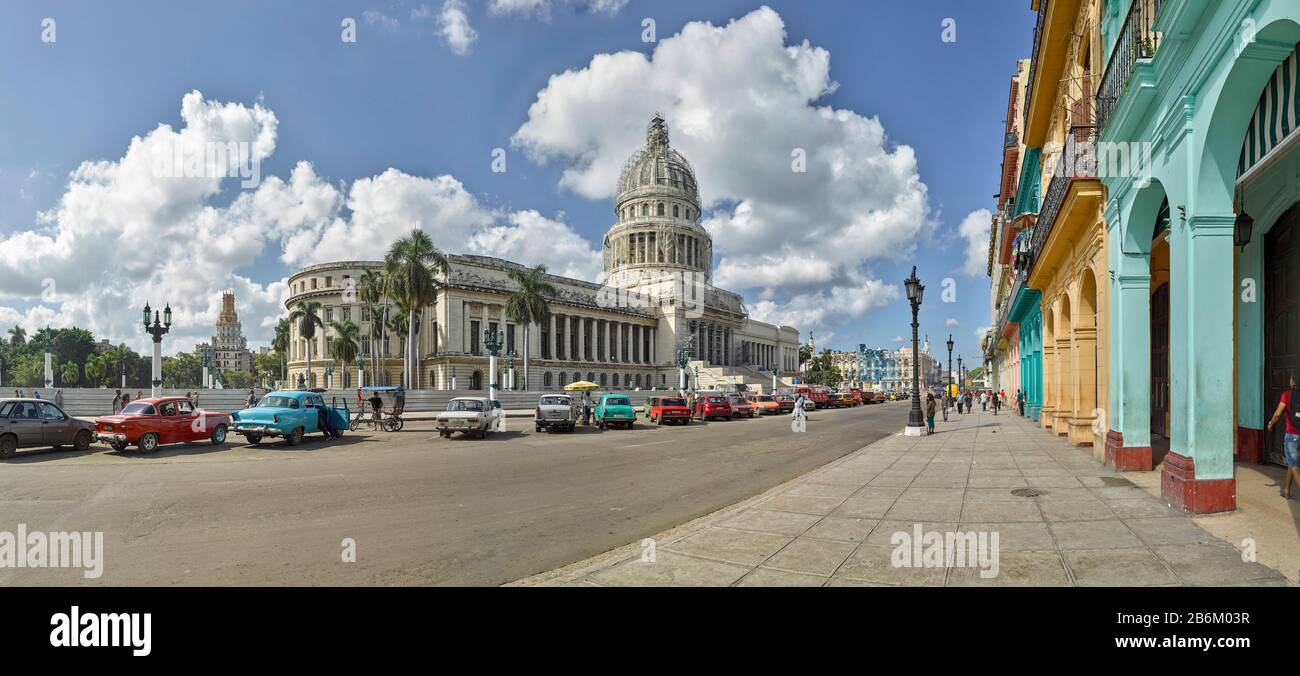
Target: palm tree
[
  {"x": 281, "y": 344},
  {"x": 345, "y": 346},
  {"x": 805, "y": 354},
  {"x": 527, "y": 305},
  {"x": 96, "y": 369},
  {"x": 411, "y": 267},
  {"x": 370, "y": 289},
  {"x": 122, "y": 356},
  {"x": 69, "y": 374},
  {"x": 305, "y": 314},
  {"x": 17, "y": 336}
]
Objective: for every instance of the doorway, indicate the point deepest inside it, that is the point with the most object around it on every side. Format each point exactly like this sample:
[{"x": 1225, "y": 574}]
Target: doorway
[
  {"x": 1281, "y": 317},
  {"x": 1160, "y": 361}
]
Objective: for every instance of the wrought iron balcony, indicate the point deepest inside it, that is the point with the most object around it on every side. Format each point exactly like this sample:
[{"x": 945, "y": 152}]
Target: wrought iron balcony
[
  {"x": 1033, "y": 61},
  {"x": 1073, "y": 164},
  {"x": 1136, "y": 41}
]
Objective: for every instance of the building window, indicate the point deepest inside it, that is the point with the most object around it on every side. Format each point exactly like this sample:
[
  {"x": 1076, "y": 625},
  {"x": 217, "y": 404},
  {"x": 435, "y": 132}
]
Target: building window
[
  {"x": 433, "y": 334},
  {"x": 645, "y": 209},
  {"x": 329, "y": 313},
  {"x": 476, "y": 380},
  {"x": 676, "y": 211},
  {"x": 433, "y": 379},
  {"x": 510, "y": 338},
  {"x": 602, "y": 380},
  {"x": 546, "y": 380},
  {"x": 562, "y": 379},
  {"x": 347, "y": 313},
  {"x": 474, "y": 337},
  {"x": 313, "y": 283},
  {"x": 365, "y": 314},
  {"x": 329, "y": 281}
]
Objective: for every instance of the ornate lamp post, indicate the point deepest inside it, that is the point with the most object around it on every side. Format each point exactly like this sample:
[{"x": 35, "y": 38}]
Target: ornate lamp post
[
  {"x": 684, "y": 358},
  {"x": 510, "y": 370},
  {"x": 961, "y": 375},
  {"x": 493, "y": 340},
  {"x": 158, "y": 329},
  {"x": 329, "y": 376},
  {"x": 947, "y": 394},
  {"x": 915, "y": 292}
]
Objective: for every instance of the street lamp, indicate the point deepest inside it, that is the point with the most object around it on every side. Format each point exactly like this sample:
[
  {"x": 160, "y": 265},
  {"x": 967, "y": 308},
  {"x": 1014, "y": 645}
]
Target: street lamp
[
  {"x": 510, "y": 370},
  {"x": 492, "y": 340},
  {"x": 961, "y": 376},
  {"x": 684, "y": 358},
  {"x": 948, "y": 391},
  {"x": 915, "y": 292},
  {"x": 159, "y": 328}
]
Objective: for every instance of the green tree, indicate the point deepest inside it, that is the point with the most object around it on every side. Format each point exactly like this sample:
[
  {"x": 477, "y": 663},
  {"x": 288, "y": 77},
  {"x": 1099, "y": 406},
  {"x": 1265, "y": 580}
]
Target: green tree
[
  {"x": 183, "y": 370},
  {"x": 29, "y": 371},
  {"x": 267, "y": 367},
  {"x": 527, "y": 305},
  {"x": 306, "y": 313},
  {"x": 281, "y": 344},
  {"x": 370, "y": 290},
  {"x": 96, "y": 370},
  {"x": 345, "y": 345},
  {"x": 69, "y": 374},
  {"x": 411, "y": 268},
  {"x": 239, "y": 380},
  {"x": 17, "y": 336}
]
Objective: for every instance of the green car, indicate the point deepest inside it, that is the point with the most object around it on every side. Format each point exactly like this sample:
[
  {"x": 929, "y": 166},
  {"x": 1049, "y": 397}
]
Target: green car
[{"x": 614, "y": 409}]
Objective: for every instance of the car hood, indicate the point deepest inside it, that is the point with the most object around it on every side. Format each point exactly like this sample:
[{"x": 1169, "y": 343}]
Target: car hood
[{"x": 460, "y": 415}]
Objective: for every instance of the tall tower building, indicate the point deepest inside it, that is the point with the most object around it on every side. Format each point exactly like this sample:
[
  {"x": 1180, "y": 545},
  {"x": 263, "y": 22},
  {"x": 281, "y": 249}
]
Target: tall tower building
[{"x": 229, "y": 348}]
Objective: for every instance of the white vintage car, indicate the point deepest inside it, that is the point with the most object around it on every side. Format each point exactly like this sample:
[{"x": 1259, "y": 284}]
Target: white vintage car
[{"x": 472, "y": 416}]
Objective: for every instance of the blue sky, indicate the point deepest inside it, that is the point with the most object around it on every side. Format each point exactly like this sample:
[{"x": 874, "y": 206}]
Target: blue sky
[{"x": 401, "y": 98}]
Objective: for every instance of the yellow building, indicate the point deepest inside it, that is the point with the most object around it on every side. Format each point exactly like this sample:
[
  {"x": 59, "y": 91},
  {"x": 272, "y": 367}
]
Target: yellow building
[{"x": 1065, "y": 249}]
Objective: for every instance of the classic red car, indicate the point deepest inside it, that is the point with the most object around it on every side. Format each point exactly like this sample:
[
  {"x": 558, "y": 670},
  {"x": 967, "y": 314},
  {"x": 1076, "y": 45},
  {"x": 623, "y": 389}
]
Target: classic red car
[
  {"x": 667, "y": 409},
  {"x": 712, "y": 406},
  {"x": 785, "y": 402},
  {"x": 740, "y": 406},
  {"x": 150, "y": 423}
]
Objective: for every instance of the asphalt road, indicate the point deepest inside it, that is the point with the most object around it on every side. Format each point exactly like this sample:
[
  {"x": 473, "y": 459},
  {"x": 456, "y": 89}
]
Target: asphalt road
[{"x": 420, "y": 509}]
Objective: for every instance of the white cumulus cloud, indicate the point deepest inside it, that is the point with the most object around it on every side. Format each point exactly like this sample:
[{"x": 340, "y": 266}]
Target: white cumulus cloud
[
  {"x": 453, "y": 25},
  {"x": 974, "y": 231}
]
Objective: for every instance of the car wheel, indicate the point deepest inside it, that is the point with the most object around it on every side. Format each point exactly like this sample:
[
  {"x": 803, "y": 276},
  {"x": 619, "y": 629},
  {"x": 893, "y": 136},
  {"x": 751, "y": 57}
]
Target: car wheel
[
  {"x": 219, "y": 435},
  {"x": 295, "y": 437},
  {"x": 253, "y": 438},
  {"x": 444, "y": 434},
  {"x": 8, "y": 446},
  {"x": 658, "y": 421},
  {"x": 82, "y": 442},
  {"x": 537, "y": 428},
  {"x": 119, "y": 447},
  {"x": 149, "y": 443}
]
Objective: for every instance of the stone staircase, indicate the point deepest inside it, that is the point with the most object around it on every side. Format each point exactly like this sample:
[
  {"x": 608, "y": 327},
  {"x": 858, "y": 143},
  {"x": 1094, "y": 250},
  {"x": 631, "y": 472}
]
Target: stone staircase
[{"x": 727, "y": 377}]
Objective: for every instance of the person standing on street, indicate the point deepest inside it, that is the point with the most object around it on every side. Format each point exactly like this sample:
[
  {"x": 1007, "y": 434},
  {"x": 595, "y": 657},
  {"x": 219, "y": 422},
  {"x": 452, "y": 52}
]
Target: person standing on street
[
  {"x": 1289, "y": 407},
  {"x": 929, "y": 413},
  {"x": 252, "y": 398},
  {"x": 117, "y": 402},
  {"x": 984, "y": 401},
  {"x": 947, "y": 401},
  {"x": 58, "y": 398}
]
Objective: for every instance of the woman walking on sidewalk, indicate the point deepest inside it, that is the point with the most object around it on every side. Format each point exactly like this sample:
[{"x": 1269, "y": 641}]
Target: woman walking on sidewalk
[
  {"x": 929, "y": 413},
  {"x": 1289, "y": 407}
]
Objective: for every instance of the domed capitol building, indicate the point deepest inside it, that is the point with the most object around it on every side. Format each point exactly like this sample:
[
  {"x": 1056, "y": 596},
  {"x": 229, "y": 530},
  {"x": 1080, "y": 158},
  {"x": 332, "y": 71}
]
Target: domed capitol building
[{"x": 657, "y": 300}]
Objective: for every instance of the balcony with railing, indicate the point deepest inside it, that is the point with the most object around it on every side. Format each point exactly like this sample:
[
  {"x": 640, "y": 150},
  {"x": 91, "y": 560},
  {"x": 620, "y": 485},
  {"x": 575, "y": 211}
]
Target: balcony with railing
[
  {"x": 1137, "y": 40},
  {"x": 1077, "y": 162},
  {"x": 1033, "y": 55}
]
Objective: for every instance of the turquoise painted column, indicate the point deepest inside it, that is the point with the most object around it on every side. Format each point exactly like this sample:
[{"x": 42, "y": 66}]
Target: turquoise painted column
[
  {"x": 1200, "y": 305},
  {"x": 1131, "y": 350},
  {"x": 1250, "y": 335}
]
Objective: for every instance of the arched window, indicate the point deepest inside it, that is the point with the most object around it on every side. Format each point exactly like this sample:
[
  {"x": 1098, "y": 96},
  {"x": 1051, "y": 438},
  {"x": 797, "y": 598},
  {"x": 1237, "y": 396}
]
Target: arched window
[
  {"x": 676, "y": 211},
  {"x": 688, "y": 214},
  {"x": 661, "y": 209},
  {"x": 546, "y": 380},
  {"x": 602, "y": 379},
  {"x": 645, "y": 209},
  {"x": 433, "y": 380},
  {"x": 590, "y": 376},
  {"x": 613, "y": 380},
  {"x": 563, "y": 379},
  {"x": 638, "y": 381},
  {"x": 476, "y": 380}
]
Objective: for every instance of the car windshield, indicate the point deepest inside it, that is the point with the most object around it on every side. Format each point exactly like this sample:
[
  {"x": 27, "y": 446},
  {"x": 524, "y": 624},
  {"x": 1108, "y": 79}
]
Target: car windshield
[
  {"x": 735, "y": 400},
  {"x": 464, "y": 405},
  {"x": 763, "y": 398},
  {"x": 277, "y": 402},
  {"x": 715, "y": 400},
  {"x": 139, "y": 407},
  {"x": 672, "y": 402},
  {"x": 617, "y": 401},
  {"x": 556, "y": 401}
]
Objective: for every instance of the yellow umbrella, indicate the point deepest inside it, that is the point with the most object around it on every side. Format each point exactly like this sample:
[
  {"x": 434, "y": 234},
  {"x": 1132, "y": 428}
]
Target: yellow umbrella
[{"x": 582, "y": 386}]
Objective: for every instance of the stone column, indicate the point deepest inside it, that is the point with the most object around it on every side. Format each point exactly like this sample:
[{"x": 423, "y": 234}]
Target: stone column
[{"x": 551, "y": 338}]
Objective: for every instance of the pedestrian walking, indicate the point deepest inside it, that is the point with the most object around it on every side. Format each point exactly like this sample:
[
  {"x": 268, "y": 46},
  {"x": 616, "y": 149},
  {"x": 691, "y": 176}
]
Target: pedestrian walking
[
  {"x": 959, "y": 401},
  {"x": 126, "y": 399},
  {"x": 194, "y": 402},
  {"x": 36, "y": 394},
  {"x": 929, "y": 413},
  {"x": 252, "y": 398},
  {"x": 117, "y": 402},
  {"x": 1289, "y": 407},
  {"x": 58, "y": 398},
  {"x": 996, "y": 402},
  {"x": 947, "y": 401},
  {"x": 139, "y": 394},
  {"x": 984, "y": 401}
]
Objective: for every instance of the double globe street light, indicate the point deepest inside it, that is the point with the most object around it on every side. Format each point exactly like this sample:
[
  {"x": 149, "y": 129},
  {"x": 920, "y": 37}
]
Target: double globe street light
[{"x": 159, "y": 328}]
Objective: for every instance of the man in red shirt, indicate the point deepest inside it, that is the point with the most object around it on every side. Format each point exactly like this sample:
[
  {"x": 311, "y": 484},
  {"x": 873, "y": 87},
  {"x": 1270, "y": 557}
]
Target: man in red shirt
[{"x": 1289, "y": 407}]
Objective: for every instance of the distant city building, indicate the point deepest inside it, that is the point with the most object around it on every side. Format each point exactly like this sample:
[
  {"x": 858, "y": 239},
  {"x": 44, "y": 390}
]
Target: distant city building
[
  {"x": 104, "y": 345},
  {"x": 229, "y": 350}
]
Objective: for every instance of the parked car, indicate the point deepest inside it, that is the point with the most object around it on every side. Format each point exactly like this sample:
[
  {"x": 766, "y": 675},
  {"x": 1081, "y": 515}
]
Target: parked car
[
  {"x": 556, "y": 411},
  {"x": 712, "y": 406},
  {"x": 614, "y": 409},
  {"x": 153, "y": 422},
  {"x": 841, "y": 400},
  {"x": 809, "y": 405},
  {"x": 669, "y": 409},
  {"x": 291, "y": 414},
  {"x": 36, "y": 423},
  {"x": 740, "y": 407},
  {"x": 471, "y": 416},
  {"x": 765, "y": 404},
  {"x": 785, "y": 402}
]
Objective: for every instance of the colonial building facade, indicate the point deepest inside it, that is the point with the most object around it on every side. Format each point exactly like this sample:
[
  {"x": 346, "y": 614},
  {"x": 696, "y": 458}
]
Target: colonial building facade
[{"x": 656, "y": 307}]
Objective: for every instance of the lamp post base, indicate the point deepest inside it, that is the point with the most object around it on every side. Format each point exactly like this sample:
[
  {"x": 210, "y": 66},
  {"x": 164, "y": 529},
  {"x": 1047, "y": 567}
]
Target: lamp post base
[{"x": 911, "y": 431}]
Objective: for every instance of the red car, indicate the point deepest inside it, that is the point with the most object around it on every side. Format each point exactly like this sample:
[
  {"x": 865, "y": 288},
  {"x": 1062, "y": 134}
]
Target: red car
[
  {"x": 150, "y": 423},
  {"x": 740, "y": 407},
  {"x": 785, "y": 402},
  {"x": 667, "y": 409},
  {"x": 712, "y": 406}
]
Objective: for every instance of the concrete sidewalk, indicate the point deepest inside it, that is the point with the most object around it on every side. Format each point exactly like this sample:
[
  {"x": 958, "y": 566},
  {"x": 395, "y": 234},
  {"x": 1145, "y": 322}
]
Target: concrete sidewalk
[{"x": 1087, "y": 525}]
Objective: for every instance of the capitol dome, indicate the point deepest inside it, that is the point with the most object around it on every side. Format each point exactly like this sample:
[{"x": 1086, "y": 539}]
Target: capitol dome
[{"x": 657, "y": 212}]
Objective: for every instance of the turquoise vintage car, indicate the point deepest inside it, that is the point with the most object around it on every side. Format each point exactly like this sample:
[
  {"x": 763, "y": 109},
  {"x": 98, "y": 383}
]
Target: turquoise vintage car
[
  {"x": 289, "y": 414},
  {"x": 614, "y": 409}
]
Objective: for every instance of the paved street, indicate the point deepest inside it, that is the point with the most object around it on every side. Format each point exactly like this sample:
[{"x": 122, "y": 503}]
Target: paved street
[
  {"x": 1087, "y": 526},
  {"x": 422, "y": 510}
]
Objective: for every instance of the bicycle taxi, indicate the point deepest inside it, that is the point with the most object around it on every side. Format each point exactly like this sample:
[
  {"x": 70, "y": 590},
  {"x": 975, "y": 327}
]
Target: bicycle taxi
[{"x": 388, "y": 415}]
